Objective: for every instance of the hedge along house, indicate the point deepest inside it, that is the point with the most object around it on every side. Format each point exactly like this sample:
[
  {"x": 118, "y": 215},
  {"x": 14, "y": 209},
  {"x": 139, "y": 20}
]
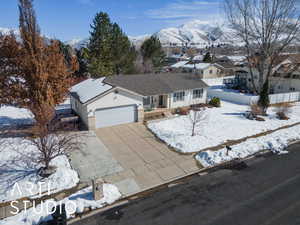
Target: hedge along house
[{"x": 123, "y": 99}]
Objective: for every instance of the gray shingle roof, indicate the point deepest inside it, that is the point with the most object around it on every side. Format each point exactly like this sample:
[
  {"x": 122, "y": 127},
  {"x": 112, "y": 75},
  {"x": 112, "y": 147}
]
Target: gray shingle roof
[{"x": 154, "y": 84}]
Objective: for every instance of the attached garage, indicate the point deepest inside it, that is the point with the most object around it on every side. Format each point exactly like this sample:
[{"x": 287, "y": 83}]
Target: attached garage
[{"x": 107, "y": 117}]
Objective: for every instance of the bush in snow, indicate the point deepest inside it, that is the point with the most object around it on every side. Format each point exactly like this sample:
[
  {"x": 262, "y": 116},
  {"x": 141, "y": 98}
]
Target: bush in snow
[
  {"x": 253, "y": 113},
  {"x": 182, "y": 111},
  {"x": 282, "y": 110},
  {"x": 216, "y": 102}
]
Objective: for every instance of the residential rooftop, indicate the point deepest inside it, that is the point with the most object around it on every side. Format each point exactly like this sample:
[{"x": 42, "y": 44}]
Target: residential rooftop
[{"x": 155, "y": 84}]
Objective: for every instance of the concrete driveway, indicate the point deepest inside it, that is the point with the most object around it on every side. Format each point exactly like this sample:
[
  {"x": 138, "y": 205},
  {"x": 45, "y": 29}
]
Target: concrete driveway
[
  {"x": 93, "y": 160},
  {"x": 145, "y": 159}
]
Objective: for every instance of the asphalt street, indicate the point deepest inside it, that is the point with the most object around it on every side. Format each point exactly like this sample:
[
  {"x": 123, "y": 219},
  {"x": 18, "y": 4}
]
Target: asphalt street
[{"x": 267, "y": 192}]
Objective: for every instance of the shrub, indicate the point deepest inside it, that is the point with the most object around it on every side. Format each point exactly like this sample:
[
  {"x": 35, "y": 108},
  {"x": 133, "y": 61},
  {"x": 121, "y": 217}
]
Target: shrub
[
  {"x": 256, "y": 110},
  {"x": 216, "y": 102},
  {"x": 182, "y": 111},
  {"x": 259, "y": 118},
  {"x": 282, "y": 110}
]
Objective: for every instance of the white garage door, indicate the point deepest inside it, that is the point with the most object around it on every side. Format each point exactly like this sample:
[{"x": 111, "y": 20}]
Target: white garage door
[{"x": 114, "y": 116}]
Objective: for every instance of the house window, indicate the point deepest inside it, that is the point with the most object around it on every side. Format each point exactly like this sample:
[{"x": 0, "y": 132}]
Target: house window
[
  {"x": 292, "y": 89},
  {"x": 198, "y": 93},
  {"x": 210, "y": 71},
  {"x": 146, "y": 101},
  {"x": 178, "y": 96}
]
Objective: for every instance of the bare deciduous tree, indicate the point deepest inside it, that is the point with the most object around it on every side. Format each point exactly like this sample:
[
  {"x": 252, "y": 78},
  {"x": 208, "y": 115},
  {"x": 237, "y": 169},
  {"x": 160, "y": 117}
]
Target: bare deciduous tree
[
  {"x": 197, "y": 116},
  {"x": 50, "y": 143},
  {"x": 267, "y": 28}
]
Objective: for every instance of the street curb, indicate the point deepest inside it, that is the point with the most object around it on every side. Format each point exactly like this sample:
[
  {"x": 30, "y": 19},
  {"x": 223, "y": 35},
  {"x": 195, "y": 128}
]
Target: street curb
[{"x": 96, "y": 211}]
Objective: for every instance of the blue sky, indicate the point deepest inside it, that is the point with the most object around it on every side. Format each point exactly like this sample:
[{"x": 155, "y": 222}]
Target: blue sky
[{"x": 68, "y": 19}]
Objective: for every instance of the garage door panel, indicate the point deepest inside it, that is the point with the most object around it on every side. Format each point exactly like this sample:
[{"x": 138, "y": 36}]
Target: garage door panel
[{"x": 115, "y": 116}]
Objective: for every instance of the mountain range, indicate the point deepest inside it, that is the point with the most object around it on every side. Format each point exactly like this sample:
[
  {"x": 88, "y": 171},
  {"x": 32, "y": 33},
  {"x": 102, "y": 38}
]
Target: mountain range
[{"x": 195, "y": 33}]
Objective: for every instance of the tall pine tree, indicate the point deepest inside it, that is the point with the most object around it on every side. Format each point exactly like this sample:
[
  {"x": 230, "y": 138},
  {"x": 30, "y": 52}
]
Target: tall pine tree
[
  {"x": 110, "y": 50},
  {"x": 153, "y": 54}
]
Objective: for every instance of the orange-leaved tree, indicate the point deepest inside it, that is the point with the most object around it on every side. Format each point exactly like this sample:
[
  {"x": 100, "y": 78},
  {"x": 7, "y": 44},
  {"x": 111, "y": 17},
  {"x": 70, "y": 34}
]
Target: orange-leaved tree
[{"x": 33, "y": 70}]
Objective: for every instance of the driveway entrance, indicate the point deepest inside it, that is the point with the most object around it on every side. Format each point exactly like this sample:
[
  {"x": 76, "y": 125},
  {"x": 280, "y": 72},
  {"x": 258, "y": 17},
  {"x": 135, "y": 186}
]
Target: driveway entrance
[{"x": 145, "y": 159}]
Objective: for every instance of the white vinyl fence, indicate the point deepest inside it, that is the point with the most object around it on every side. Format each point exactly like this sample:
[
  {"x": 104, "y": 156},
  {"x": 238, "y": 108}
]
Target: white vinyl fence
[
  {"x": 216, "y": 81},
  {"x": 245, "y": 99}
]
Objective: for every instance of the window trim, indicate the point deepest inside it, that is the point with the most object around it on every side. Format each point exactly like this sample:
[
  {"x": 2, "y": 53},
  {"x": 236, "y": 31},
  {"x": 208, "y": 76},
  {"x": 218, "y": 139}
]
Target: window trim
[
  {"x": 179, "y": 96},
  {"x": 198, "y": 93},
  {"x": 147, "y": 100}
]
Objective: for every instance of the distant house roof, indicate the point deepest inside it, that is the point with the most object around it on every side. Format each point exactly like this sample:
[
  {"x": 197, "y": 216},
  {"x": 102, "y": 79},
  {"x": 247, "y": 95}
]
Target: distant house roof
[
  {"x": 225, "y": 65},
  {"x": 233, "y": 58},
  {"x": 198, "y": 57},
  {"x": 89, "y": 89},
  {"x": 198, "y": 66},
  {"x": 155, "y": 84},
  {"x": 179, "y": 64}
]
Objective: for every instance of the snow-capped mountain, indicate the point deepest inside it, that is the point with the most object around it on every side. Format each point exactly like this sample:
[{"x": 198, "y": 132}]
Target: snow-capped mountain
[
  {"x": 138, "y": 40},
  {"x": 198, "y": 33},
  {"x": 77, "y": 43},
  {"x": 8, "y": 30}
]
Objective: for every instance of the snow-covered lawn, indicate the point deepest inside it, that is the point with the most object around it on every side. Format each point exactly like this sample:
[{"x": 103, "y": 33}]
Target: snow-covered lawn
[
  {"x": 74, "y": 203},
  {"x": 17, "y": 170},
  {"x": 222, "y": 124},
  {"x": 275, "y": 142},
  {"x": 10, "y": 116}
]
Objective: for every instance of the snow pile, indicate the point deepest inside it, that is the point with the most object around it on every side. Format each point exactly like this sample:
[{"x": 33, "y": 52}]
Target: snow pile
[
  {"x": 223, "y": 124},
  {"x": 74, "y": 203},
  {"x": 10, "y": 116},
  {"x": 16, "y": 169},
  {"x": 276, "y": 142}
]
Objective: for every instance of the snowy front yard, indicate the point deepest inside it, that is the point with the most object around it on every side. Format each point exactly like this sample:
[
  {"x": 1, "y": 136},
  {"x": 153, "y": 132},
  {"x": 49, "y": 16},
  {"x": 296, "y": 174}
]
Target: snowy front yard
[
  {"x": 275, "y": 142},
  {"x": 222, "y": 124},
  {"x": 10, "y": 116},
  {"x": 18, "y": 170},
  {"x": 75, "y": 203}
]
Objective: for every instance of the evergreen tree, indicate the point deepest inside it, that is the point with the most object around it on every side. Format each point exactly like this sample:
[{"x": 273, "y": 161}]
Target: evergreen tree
[
  {"x": 264, "y": 100},
  {"x": 68, "y": 52},
  {"x": 153, "y": 53},
  {"x": 207, "y": 58},
  {"x": 82, "y": 57},
  {"x": 123, "y": 53},
  {"x": 110, "y": 50},
  {"x": 100, "y": 56}
]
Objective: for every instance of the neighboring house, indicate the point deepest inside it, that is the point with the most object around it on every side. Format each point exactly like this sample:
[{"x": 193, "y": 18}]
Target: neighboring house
[
  {"x": 285, "y": 78},
  {"x": 202, "y": 70},
  {"x": 236, "y": 60},
  {"x": 198, "y": 58},
  {"x": 123, "y": 99},
  {"x": 177, "y": 67}
]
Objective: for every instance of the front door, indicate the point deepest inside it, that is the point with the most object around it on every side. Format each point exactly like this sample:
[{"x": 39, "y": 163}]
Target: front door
[{"x": 161, "y": 101}]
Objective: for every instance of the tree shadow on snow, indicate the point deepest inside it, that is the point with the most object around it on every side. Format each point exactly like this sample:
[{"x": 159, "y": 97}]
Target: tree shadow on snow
[{"x": 17, "y": 170}]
